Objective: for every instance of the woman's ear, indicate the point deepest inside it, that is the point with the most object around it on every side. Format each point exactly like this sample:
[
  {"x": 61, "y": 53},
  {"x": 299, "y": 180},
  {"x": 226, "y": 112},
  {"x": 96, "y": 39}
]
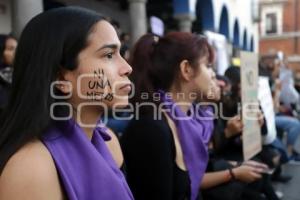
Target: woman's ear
[
  {"x": 186, "y": 70},
  {"x": 62, "y": 84}
]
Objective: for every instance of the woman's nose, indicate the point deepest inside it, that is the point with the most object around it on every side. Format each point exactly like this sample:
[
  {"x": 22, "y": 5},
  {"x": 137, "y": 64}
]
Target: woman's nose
[{"x": 126, "y": 69}]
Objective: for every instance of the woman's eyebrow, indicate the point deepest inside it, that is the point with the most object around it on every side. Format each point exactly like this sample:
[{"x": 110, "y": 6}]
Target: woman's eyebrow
[{"x": 108, "y": 46}]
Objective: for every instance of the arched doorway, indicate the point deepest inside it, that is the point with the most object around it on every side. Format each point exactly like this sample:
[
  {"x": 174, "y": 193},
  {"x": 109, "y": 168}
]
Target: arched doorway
[
  {"x": 224, "y": 22},
  {"x": 236, "y": 34},
  {"x": 245, "y": 40},
  {"x": 205, "y": 15},
  {"x": 252, "y": 44}
]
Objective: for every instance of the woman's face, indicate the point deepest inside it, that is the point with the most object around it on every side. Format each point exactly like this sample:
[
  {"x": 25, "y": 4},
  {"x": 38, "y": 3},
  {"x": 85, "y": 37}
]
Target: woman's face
[
  {"x": 102, "y": 74},
  {"x": 205, "y": 81},
  {"x": 9, "y": 51}
]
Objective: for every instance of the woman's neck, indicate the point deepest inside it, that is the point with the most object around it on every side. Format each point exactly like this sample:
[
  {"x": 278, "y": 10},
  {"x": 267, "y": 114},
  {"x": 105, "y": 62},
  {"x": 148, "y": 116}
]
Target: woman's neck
[
  {"x": 182, "y": 99},
  {"x": 87, "y": 119}
]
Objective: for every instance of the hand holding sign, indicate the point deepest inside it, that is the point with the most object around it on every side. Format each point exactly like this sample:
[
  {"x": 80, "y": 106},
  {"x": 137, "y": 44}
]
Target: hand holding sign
[{"x": 234, "y": 126}]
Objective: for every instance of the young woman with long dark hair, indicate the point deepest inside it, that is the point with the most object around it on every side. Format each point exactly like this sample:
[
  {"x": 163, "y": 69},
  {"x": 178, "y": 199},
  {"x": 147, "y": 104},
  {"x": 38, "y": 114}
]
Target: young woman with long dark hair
[{"x": 67, "y": 70}]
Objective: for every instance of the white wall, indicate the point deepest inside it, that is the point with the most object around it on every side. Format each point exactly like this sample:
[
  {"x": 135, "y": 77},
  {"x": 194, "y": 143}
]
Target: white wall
[
  {"x": 240, "y": 10},
  {"x": 5, "y": 18}
]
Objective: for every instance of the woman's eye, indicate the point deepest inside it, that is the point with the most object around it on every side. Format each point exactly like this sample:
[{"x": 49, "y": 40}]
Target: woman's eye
[{"x": 109, "y": 55}]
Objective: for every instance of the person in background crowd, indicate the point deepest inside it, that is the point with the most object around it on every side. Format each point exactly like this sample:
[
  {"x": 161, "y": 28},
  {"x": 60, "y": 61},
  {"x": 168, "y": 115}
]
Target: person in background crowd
[
  {"x": 125, "y": 48},
  {"x": 284, "y": 123},
  {"x": 247, "y": 178},
  {"x": 289, "y": 96},
  {"x": 52, "y": 141},
  {"x": 222, "y": 176},
  {"x": 273, "y": 154},
  {"x": 8, "y": 45}
]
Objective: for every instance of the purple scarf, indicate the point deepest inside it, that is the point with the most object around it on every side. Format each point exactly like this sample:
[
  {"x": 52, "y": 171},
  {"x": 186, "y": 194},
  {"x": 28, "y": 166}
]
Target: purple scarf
[
  {"x": 86, "y": 168},
  {"x": 194, "y": 135}
]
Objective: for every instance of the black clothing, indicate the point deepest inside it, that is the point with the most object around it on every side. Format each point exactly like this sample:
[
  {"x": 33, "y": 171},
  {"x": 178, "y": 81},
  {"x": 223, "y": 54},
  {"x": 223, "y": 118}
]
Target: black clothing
[{"x": 149, "y": 151}]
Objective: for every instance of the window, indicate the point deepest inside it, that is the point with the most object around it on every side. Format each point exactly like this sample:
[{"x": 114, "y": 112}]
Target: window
[
  {"x": 272, "y": 19},
  {"x": 271, "y": 23}
]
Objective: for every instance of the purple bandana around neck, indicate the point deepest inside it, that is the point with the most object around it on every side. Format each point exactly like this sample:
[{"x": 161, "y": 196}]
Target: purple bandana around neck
[
  {"x": 194, "y": 133},
  {"x": 86, "y": 167}
]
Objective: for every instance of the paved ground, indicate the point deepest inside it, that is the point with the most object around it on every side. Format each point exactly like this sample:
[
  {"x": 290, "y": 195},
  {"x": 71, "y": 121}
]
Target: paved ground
[{"x": 291, "y": 190}]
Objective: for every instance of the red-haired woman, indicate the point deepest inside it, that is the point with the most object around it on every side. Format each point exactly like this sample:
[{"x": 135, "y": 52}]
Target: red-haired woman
[{"x": 165, "y": 146}]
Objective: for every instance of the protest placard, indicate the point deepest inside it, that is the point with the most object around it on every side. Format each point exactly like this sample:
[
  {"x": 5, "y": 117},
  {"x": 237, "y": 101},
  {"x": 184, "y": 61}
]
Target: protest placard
[
  {"x": 266, "y": 103},
  {"x": 252, "y": 143}
]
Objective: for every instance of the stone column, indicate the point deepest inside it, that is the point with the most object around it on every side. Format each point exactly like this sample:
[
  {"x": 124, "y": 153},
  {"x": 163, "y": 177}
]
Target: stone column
[
  {"x": 22, "y": 12},
  {"x": 185, "y": 22},
  {"x": 138, "y": 19}
]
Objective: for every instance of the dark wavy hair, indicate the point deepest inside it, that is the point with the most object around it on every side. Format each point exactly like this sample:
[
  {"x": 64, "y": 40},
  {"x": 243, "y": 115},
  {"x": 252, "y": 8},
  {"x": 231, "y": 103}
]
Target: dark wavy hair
[
  {"x": 51, "y": 41},
  {"x": 156, "y": 61}
]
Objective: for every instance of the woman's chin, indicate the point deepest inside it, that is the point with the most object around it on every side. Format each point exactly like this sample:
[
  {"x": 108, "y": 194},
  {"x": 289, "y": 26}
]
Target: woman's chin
[{"x": 121, "y": 103}]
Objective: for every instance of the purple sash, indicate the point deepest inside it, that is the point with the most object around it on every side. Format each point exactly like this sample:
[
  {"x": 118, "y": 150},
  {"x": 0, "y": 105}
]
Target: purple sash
[
  {"x": 194, "y": 135},
  {"x": 86, "y": 168}
]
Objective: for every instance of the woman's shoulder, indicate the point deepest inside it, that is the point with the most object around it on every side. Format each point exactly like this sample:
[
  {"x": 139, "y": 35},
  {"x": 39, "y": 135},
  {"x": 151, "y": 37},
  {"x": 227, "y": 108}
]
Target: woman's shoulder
[
  {"x": 147, "y": 124},
  {"x": 149, "y": 120},
  {"x": 147, "y": 131},
  {"x": 30, "y": 174}
]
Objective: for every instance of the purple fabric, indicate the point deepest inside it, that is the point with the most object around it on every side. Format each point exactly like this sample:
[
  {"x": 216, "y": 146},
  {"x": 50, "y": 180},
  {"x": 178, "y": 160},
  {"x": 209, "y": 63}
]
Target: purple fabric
[
  {"x": 86, "y": 168},
  {"x": 194, "y": 134}
]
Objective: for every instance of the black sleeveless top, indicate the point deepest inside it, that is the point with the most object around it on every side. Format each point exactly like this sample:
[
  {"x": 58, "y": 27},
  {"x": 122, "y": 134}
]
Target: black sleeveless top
[{"x": 149, "y": 151}]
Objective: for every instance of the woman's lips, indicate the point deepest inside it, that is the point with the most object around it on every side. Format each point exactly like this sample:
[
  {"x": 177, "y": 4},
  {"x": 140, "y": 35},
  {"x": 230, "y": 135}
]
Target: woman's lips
[{"x": 126, "y": 87}]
